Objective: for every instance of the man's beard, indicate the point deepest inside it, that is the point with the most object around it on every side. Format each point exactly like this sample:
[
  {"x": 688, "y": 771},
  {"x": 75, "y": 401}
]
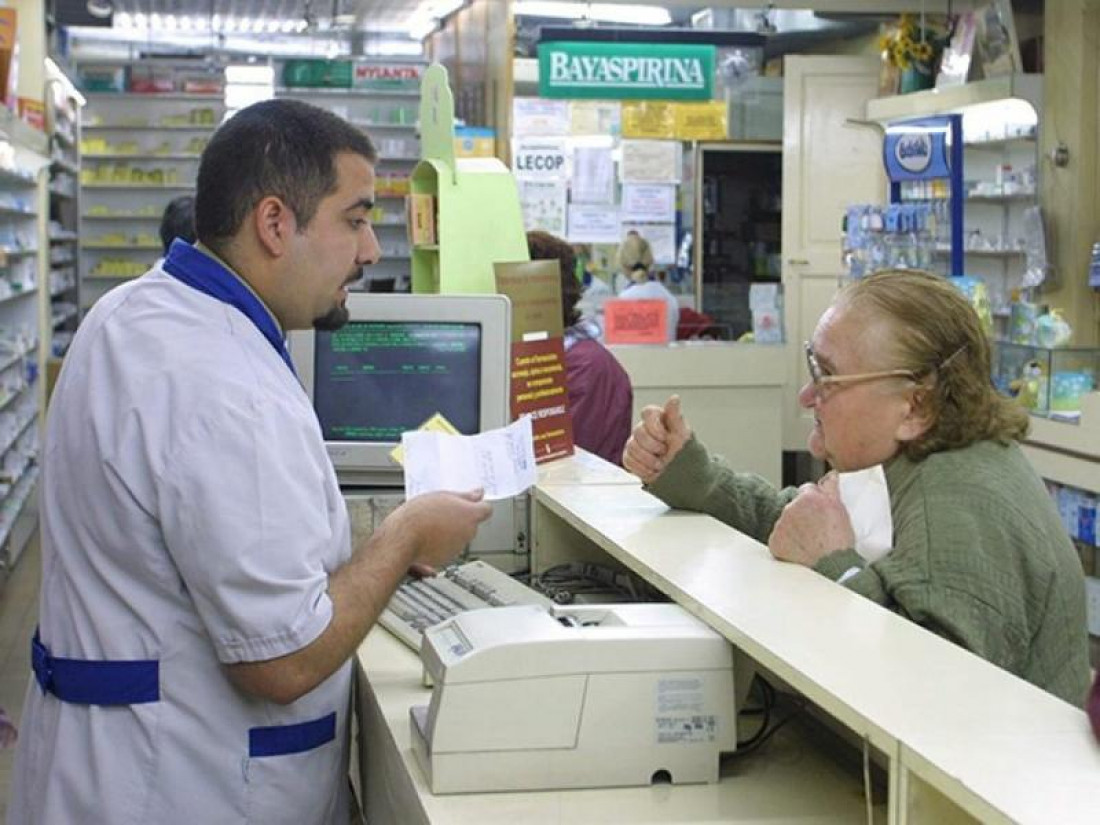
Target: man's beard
[{"x": 332, "y": 320}]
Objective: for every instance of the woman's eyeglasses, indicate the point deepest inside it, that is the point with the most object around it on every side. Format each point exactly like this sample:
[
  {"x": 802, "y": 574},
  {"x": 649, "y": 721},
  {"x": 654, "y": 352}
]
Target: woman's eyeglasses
[{"x": 823, "y": 382}]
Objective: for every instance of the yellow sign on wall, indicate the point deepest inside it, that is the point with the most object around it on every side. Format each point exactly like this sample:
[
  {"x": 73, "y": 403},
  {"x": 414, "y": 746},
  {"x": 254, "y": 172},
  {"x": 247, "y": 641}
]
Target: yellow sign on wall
[
  {"x": 665, "y": 120},
  {"x": 701, "y": 121},
  {"x": 652, "y": 119}
]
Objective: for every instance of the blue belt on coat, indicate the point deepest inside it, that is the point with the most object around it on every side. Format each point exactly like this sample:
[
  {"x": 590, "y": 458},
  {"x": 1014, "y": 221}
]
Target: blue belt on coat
[{"x": 95, "y": 681}]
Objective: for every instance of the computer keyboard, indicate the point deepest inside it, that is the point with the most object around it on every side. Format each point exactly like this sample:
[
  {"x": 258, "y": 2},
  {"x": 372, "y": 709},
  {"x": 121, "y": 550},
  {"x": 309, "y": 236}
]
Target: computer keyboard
[{"x": 421, "y": 603}]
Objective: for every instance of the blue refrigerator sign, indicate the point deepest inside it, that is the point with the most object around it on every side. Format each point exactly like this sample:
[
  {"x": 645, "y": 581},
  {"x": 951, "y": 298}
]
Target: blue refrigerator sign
[
  {"x": 917, "y": 149},
  {"x": 929, "y": 148}
]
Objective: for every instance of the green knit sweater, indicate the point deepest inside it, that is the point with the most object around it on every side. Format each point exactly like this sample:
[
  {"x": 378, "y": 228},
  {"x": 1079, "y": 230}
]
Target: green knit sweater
[{"x": 979, "y": 557}]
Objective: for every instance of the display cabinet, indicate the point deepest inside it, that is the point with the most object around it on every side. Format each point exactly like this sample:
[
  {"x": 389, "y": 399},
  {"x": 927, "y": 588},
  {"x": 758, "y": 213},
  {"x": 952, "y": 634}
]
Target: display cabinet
[
  {"x": 1046, "y": 381},
  {"x": 1001, "y": 238},
  {"x": 23, "y": 254},
  {"x": 382, "y": 98},
  {"x": 143, "y": 132},
  {"x": 63, "y": 104},
  {"x": 739, "y": 209}
]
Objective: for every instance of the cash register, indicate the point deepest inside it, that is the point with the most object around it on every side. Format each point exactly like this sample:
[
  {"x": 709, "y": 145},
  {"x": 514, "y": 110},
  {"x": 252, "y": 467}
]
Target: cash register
[{"x": 531, "y": 697}]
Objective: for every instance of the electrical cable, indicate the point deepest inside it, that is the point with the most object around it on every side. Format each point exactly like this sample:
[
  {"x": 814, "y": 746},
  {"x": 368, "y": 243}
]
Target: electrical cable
[
  {"x": 868, "y": 791},
  {"x": 766, "y": 732}
]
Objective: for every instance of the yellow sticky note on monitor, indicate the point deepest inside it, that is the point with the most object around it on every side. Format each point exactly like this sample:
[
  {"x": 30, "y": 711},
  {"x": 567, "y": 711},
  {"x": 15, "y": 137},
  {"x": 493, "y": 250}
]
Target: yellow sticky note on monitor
[{"x": 437, "y": 423}]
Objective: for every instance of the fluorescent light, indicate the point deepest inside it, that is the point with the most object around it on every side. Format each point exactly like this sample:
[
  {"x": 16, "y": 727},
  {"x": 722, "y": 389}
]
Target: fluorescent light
[
  {"x": 101, "y": 9},
  {"x": 428, "y": 15},
  {"x": 421, "y": 27},
  {"x": 250, "y": 74},
  {"x": 603, "y": 12},
  {"x": 394, "y": 48},
  {"x": 441, "y": 8}
]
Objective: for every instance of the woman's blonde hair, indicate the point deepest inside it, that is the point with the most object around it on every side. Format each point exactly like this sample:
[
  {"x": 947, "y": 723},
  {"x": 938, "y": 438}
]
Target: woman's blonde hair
[{"x": 934, "y": 332}]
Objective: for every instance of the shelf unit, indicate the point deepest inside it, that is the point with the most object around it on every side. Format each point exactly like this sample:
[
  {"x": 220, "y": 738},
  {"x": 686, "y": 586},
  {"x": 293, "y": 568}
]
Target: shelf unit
[
  {"x": 387, "y": 110},
  {"x": 1000, "y": 127},
  {"x": 24, "y": 306},
  {"x": 63, "y": 123},
  {"x": 738, "y": 209},
  {"x": 140, "y": 149}
]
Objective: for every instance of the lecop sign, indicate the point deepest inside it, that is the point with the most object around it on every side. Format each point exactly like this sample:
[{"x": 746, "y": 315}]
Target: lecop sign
[{"x": 634, "y": 71}]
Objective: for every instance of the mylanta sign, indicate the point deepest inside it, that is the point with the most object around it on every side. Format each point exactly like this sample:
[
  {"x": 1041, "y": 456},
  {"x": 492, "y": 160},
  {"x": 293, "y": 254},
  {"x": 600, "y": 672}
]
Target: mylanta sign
[
  {"x": 626, "y": 71},
  {"x": 917, "y": 149}
]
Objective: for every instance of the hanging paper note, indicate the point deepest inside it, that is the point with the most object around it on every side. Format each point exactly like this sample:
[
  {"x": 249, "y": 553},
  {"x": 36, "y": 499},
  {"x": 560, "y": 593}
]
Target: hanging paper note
[
  {"x": 652, "y": 202},
  {"x": 651, "y": 161},
  {"x": 593, "y": 175}
]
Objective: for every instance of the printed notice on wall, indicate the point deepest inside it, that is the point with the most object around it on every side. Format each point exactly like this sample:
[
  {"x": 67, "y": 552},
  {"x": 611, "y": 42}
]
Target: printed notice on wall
[
  {"x": 543, "y": 205},
  {"x": 651, "y": 161},
  {"x": 593, "y": 175},
  {"x": 540, "y": 158},
  {"x": 649, "y": 119},
  {"x": 635, "y": 322},
  {"x": 536, "y": 116},
  {"x": 595, "y": 117},
  {"x": 594, "y": 224},
  {"x": 653, "y": 202}
]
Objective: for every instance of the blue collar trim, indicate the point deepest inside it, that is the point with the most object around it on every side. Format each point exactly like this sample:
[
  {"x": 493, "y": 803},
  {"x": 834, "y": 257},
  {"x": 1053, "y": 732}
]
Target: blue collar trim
[{"x": 201, "y": 272}]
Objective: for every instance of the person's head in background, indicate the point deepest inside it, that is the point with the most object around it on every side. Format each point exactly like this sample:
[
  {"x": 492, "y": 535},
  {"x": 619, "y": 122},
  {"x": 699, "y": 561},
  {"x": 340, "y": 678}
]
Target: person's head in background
[
  {"x": 635, "y": 257},
  {"x": 900, "y": 364},
  {"x": 543, "y": 246},
  {"x": 178, "y": 221}
]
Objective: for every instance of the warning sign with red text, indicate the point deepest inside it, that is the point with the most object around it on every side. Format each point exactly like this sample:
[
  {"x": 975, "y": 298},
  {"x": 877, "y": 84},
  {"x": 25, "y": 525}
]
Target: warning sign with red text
[
  {"x": 538, "y": 390},
  {"x": 538, "y": 354},
  {"x": 635, "y": 322}
]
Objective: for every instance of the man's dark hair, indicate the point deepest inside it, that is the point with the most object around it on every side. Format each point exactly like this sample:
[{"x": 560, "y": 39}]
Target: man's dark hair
[
  {"x": 178, "y": 221},
  {"x": 284, "y": 148}
]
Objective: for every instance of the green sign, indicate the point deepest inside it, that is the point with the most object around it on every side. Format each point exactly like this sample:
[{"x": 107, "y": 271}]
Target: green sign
[{"x": 635, "y": 71}]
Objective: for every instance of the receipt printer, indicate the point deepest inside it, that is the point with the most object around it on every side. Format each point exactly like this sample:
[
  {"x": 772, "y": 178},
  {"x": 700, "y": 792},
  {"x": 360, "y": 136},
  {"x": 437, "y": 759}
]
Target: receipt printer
[{"x": 529, "y": 698}]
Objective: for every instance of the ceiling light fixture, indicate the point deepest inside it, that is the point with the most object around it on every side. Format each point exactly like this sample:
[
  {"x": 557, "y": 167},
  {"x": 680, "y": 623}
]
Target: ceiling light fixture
[
  {"x": 604, "y": 12},
  {"x": 429, "y": 15},
  {"x": 100, "y": 9}
]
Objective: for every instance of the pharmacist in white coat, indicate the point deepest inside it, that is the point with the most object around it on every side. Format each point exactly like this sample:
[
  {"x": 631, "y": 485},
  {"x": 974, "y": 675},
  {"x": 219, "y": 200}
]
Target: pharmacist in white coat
[{"x": 200, "y": 596}]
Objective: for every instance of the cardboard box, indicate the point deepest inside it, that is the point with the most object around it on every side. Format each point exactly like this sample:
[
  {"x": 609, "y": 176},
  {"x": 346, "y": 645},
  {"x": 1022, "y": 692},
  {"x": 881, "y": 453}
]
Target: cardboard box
[
  {"x": 8, "y": 21},
  {"x": 9, "y": 60},
  {"x": 32, "y": 112},
  {"x": 420, "y": 212}
]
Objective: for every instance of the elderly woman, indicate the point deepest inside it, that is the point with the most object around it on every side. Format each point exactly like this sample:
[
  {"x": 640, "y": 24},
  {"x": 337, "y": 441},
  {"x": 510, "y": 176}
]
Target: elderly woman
[
  {"x": 899, "y": 376},
  {"x": 601, "y": 400}
]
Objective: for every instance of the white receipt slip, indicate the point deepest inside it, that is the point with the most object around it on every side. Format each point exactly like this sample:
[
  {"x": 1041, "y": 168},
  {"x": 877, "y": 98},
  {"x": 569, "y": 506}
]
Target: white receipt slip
[
  {"x": 867, "y": 500},
  {"x": 500, "y": 462}
]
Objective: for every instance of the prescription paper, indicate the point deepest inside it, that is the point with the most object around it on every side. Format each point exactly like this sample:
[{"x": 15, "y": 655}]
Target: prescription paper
[
  {"x": 501, "y": 462},
  {"x": 867, "y": 500}
]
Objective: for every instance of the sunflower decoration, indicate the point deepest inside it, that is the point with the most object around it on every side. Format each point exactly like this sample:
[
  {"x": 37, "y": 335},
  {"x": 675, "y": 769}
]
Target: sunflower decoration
[{"x": 911, "y": 43}]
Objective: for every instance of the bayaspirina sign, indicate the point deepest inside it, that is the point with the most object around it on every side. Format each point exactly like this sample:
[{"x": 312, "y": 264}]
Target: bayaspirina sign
[{"x": 626, "y": 70}]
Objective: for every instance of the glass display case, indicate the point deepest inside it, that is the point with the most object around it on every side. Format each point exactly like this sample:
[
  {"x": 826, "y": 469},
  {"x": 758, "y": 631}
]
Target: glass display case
[{"x": 1049, "y": 382}]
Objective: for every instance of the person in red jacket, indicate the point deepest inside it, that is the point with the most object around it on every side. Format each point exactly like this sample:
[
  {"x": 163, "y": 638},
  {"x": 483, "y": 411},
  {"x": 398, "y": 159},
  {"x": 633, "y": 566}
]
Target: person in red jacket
[{"x": 601, "y": 400}]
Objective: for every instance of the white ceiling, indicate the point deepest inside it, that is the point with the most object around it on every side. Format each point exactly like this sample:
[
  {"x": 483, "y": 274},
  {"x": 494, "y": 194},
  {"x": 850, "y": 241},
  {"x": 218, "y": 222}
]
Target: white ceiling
[{"x": 370, "y": 15}]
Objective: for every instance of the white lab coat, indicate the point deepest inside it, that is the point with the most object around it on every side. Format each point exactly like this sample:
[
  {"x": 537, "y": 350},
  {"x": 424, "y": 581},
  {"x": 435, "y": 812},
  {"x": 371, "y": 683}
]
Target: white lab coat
[{"x": 189, "y": 515}]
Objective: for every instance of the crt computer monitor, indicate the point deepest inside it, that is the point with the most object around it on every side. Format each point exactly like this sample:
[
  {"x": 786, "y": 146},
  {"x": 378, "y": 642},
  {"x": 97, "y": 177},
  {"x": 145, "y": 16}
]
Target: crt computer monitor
[{"x": 399, "y": 359}]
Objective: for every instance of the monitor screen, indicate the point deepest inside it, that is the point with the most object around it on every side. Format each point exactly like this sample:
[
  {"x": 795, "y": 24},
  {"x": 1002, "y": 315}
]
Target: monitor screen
[
  {"x": 373, "y": 380},
  {"x": 399, "y": 360}
]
